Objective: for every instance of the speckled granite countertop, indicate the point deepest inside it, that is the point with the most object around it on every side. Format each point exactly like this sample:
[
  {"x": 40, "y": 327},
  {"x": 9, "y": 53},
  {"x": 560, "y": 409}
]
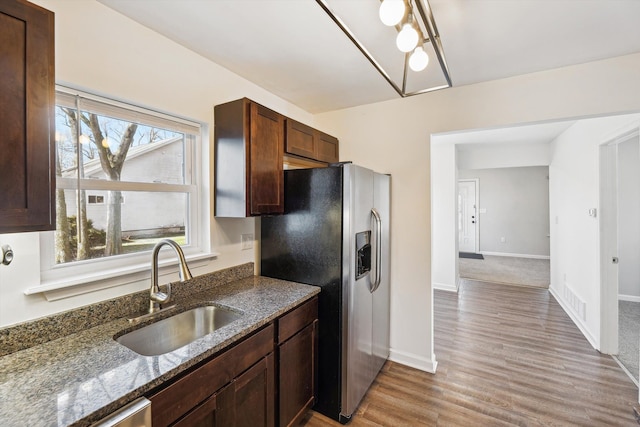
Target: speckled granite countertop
[{"x": 80, "y": 378}]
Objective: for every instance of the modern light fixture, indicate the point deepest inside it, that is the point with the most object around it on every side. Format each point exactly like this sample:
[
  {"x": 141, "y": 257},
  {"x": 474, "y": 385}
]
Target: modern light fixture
[
  {"x": 416, "y": 29},
  {"x": 392, "y": 11},
  {"x": 419, "y": 59},
  {"x": 407, "y": 38}
]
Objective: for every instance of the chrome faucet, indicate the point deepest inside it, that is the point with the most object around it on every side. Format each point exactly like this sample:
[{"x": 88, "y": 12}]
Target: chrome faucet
[{"x": 156, "y": 296}]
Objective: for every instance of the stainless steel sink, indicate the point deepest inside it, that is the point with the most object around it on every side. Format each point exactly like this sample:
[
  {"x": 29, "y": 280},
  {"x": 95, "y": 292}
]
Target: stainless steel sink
[{"x": 178, "y": 330}]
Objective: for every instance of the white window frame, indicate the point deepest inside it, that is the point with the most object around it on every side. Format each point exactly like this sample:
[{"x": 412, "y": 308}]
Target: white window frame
[
  {"x": 89, "y": 202},
  {"x": 64, "y": 280}
]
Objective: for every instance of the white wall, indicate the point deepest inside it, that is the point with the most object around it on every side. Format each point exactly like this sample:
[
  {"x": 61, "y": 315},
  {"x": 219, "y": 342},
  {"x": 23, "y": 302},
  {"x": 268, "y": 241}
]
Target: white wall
[
  {"x": 394, "y": 137},
  {"x": 444, "y": 247},
  {"x": 573, "y": 190},
  {"x": 629, "y": 219},
  {"x": 514, "y": 205},
  {"x": 104, "y": 52}
]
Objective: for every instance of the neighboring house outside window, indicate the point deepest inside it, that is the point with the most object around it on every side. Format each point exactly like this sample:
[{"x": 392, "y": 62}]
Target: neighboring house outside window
[
  {"x": 94, "y": 199},
  {"x": 109, "y": 152}
]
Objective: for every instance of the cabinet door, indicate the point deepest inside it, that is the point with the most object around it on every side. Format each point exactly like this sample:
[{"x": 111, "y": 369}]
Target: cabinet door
[
  {"x": 327, "y": 148},
  {"x": 181, "y": 397},
  {"x": 297, "y": 378},
  {"x": 204, "y": 415},
  {"x": 249, "y": 400},
  {"x": 27, "y": 102},
  {"x": 266, "y": 192},
  {"x": 300, "y": 139}
]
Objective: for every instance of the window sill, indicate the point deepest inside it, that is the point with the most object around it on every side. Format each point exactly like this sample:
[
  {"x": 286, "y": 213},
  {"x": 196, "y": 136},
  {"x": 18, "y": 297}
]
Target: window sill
[{"x": 65, "y": 288}]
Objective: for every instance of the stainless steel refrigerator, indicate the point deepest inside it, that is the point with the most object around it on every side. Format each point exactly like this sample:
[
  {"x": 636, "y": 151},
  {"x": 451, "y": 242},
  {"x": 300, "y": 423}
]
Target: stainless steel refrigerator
[{"x": 335, "y": 234}]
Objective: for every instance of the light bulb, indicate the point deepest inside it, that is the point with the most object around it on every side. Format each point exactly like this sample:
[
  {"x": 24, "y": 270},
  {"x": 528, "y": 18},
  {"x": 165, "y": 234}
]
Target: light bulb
[
  {"x": 407, "y": 38},
  {"x": 419, "y": 59},
  {"x": 391, "y": 12}
]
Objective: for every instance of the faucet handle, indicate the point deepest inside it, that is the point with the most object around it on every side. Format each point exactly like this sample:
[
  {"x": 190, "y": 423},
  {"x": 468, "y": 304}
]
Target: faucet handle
[{"x": 161, "y": 297}]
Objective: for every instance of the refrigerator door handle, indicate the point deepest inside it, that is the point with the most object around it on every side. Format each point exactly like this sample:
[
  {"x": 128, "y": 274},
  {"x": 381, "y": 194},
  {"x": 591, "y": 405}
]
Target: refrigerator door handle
[{"x": 378, "y": 275}]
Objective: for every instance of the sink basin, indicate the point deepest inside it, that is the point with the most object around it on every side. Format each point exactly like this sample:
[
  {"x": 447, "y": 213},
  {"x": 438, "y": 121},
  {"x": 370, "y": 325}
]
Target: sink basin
[{"x": 178, "y": 330}]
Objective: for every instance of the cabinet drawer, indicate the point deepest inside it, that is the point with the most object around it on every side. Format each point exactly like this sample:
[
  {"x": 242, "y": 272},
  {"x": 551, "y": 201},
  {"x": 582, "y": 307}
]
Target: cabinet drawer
[
  {"x": 297, "y": 319},
  {"x": 180, "y": 397}
]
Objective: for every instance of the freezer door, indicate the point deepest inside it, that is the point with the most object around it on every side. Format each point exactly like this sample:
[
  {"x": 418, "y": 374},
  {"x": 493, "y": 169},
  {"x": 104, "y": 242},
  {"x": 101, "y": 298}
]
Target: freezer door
[
  {"x": 305, "y": 245},
  {"x": 380, "y": 269}
]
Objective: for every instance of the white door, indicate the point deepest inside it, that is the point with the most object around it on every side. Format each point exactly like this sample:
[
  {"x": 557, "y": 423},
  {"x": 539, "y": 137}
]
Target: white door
[
  {"x": 619, "y": 234},
  {"x": 467, "y": 216}
]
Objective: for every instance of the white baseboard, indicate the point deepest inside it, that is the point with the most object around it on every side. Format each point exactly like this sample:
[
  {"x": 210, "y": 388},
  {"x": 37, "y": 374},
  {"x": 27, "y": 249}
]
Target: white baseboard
[
  {"x": 631, "y": 298},
  {"x": 414, "y": 360},
  {"x": 444, "y": 287},
  {"x": 516, "y": 255},
  {"x": 576, "y": 320}
]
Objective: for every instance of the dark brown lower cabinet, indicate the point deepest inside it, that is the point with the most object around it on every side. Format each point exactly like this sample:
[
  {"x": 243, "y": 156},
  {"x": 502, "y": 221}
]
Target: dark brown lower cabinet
[
  {"x": 216, "y": 391},
  {"x": 297, "y": 362},
  {"x": 247, "y": 402},
  {"x": 298, "y": 367}
]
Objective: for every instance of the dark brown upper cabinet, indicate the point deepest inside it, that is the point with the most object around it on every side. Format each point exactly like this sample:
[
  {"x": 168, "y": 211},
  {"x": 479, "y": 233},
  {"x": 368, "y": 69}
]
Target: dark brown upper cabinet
[
  {"x": 27, "y": 102},
  {"x": 249, "y": 148},
  {"x": 305, "y": 141},
  {"x": 328, "y": 148},
  {"x": 250, "y": 143}
]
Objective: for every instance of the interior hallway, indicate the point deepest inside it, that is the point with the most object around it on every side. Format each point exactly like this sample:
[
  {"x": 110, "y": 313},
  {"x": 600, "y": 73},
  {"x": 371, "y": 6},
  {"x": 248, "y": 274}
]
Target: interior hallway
[{"x": 507, "y": 356}]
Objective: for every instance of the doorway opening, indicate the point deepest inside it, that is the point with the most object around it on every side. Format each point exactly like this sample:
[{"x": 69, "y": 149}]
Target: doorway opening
[
  {"x": 511, "y": 214},
  {"x": 619, "y": 160},
  {"x": 576, "y": 205}
]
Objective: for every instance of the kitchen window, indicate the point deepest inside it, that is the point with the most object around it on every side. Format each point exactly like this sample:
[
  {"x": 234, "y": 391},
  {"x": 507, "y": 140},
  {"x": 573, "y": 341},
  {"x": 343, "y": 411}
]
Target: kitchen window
[{"x": 108, "y": 152}]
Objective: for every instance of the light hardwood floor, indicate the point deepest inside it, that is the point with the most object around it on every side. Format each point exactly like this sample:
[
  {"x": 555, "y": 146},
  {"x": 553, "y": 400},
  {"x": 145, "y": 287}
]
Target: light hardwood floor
[{"x": 507, "y": 356}]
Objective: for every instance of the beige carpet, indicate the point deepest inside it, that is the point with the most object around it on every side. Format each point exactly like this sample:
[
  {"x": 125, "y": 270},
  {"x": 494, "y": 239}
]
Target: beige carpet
[
  {"x": 629, "y": 338},
  {"x": 508, "y": 270}
]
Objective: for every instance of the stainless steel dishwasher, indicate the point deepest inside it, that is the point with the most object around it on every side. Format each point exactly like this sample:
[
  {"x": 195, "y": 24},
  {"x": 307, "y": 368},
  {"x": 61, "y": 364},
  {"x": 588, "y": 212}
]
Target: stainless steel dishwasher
[{"x": 135, "y": 414}]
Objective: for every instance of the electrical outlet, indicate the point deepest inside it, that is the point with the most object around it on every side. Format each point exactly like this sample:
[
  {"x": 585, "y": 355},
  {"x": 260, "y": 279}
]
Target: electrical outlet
[{"x": 246, "y": 241}]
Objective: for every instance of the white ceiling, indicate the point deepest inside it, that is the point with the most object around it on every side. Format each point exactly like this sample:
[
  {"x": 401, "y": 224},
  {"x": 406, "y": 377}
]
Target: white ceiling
[
  {"x": 294, "y": 50},
  {"x": 539, "y": 133}
]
